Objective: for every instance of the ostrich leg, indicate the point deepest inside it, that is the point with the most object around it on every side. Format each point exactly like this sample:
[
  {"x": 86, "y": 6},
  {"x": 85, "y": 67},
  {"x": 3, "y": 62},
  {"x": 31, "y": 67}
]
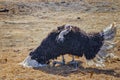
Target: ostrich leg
[
  {"x": 58, "y": 62},
  {"x": 74, "y": 63},
  {"x": 60, "y": 39}
]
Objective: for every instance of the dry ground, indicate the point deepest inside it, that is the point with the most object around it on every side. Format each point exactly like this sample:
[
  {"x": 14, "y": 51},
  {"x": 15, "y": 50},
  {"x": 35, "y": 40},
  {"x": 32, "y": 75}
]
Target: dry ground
[{"x": 23, "y": 28}]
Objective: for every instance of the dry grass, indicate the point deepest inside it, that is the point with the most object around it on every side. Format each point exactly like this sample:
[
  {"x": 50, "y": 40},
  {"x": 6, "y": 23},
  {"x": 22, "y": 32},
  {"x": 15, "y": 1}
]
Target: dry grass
[{"x": 19, "y": 34}]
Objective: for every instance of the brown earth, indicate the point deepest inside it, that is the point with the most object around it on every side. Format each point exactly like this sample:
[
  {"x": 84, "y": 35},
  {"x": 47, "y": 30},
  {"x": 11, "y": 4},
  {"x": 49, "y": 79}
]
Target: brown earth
[{"x": 24, "y": 24}]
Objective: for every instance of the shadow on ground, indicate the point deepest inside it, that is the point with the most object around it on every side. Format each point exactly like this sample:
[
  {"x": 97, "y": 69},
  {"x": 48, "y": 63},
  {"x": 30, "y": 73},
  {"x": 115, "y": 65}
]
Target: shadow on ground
[{"x": 69, "y": 69}]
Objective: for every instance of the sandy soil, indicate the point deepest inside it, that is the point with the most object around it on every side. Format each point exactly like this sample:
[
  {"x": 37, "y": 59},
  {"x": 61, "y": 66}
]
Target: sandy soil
[{"x": 27, "y": 23}]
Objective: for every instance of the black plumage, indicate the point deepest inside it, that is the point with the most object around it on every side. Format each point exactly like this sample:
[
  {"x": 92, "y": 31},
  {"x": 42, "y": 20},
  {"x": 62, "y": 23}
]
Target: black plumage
[{"x": 77, "y": 42}]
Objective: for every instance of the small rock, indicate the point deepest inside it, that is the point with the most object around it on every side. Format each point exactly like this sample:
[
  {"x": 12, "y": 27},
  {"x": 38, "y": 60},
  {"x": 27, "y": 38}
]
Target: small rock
[
  {"x": 63, "y": 2},
  {"x": 3, "y": 61},
  {"x": 78, "y": 18},
  {"x": 12, "y": 45},
  {"x": 16, "y": 50},
  {"x": 119, "y": 49},
  {"x": 4, "y": 10},
  {"x": 3, "y": 50},
  {"x": 30, "y": 49}
]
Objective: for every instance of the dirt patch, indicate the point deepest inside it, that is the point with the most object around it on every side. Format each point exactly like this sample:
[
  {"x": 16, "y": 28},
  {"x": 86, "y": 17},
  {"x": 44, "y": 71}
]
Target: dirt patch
[{"x": 25, "y": 7}]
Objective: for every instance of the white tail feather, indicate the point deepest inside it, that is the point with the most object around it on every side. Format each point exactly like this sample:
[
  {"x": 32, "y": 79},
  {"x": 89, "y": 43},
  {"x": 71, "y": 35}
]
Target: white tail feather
[{"x": 110, "y": 32}]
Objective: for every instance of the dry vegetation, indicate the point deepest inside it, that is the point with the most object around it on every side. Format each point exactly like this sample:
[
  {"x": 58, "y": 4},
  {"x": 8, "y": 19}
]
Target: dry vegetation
[{"x": 27, "y": 23}]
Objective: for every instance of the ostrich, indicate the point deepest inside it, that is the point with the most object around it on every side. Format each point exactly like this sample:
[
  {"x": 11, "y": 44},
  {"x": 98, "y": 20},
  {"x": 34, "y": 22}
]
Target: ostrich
[{"x": 68, "y": 39}]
